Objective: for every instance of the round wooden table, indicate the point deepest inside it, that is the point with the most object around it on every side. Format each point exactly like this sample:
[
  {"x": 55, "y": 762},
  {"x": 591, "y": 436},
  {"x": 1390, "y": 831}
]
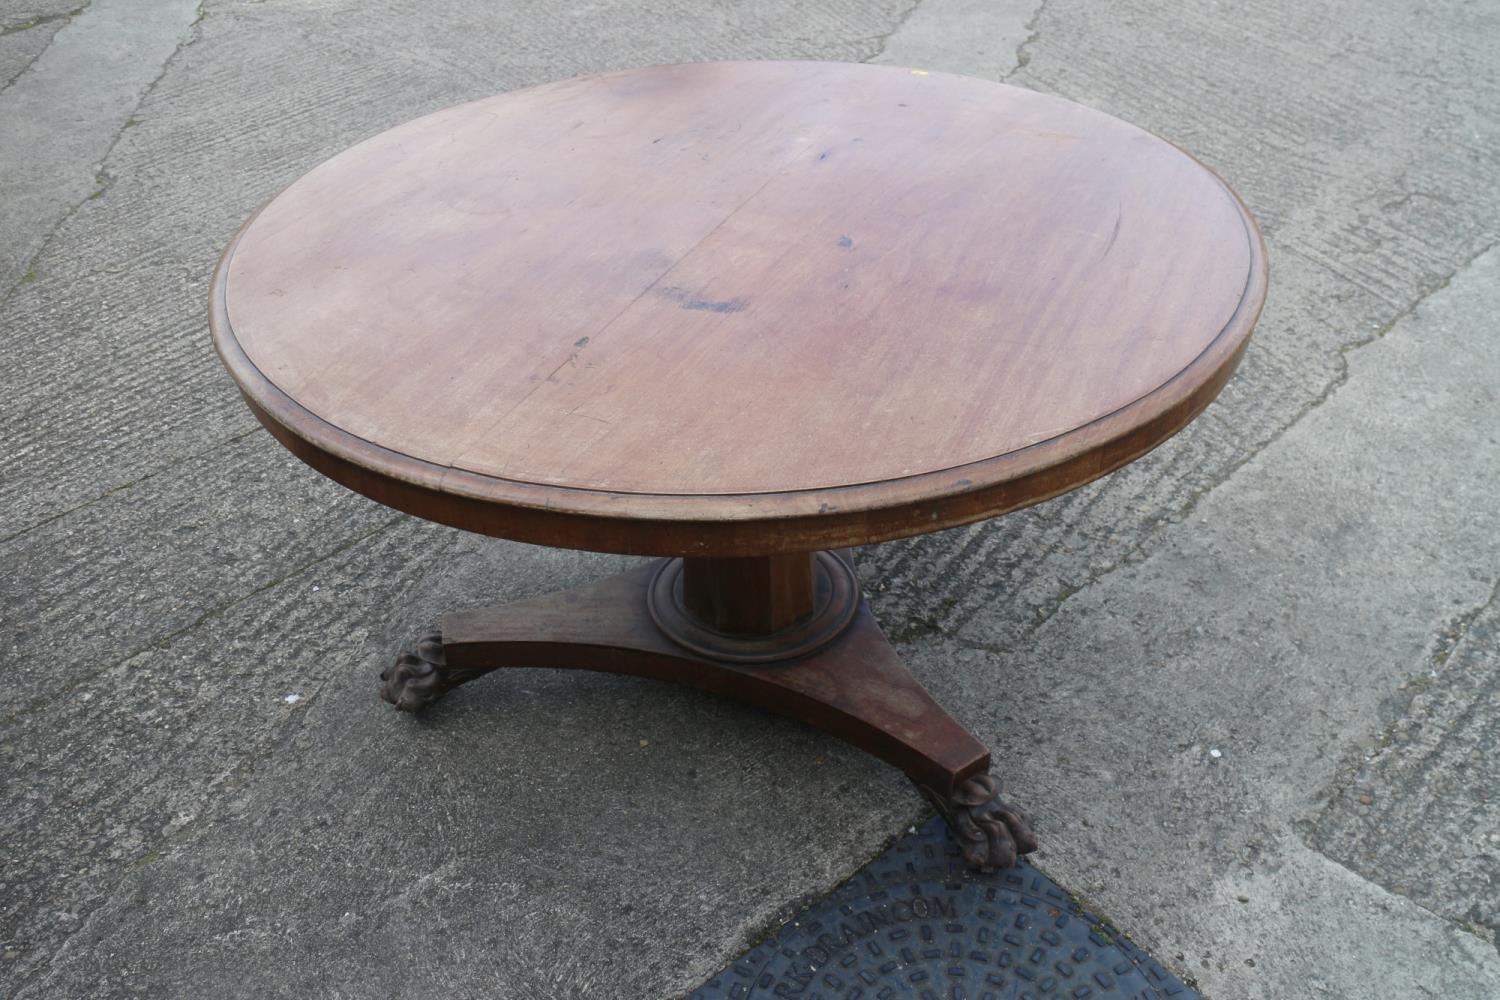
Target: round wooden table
[{"x": 743, "y": 316}]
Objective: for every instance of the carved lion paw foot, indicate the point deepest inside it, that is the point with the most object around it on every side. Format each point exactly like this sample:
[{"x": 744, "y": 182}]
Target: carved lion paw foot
[
  {"x": 989, "y": 831},
  {"x": 419, "y": 677}
]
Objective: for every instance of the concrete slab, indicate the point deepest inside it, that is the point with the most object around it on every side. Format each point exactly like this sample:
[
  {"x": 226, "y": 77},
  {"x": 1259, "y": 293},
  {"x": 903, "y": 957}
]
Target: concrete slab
[
  {"x": 174, "y": 826},
  {"x": 192, "y": 830},
  {"x": 58, "y": 120},
  {"x": 1419, "y": 812}
]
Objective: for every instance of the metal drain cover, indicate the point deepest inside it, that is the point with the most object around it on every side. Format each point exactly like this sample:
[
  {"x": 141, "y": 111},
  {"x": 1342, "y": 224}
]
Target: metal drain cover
[{"x": 917, "y": 923}]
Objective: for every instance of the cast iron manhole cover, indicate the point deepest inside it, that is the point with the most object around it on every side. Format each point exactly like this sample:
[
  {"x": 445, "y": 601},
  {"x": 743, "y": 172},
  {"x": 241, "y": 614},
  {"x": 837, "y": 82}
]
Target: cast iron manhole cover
[{"x": 916, "y": 923}]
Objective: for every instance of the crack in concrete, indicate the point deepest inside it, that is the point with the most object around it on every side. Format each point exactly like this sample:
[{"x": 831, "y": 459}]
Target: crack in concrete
[
  {"x": 37, "y": 22},
  {"x": 1341, "y": 378},
  {"x": 1400, "y": 705},
  {"x": 1142, "y": 549},
  {"x": 1023, "y": 57},
  {"x": 28, "y": 273},
  {"x": 1452, "y": 635},
  {"x": 1307, "y": 833},
  {"x": 881, "y": 41},
  {"x": 1333, "y": 386}
]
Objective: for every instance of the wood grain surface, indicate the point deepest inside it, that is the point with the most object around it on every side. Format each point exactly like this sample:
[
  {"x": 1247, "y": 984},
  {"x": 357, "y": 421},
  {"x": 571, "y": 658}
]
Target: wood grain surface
[
  {"x": 739, "y": 308},
  {"x": 857, "y": 689}
]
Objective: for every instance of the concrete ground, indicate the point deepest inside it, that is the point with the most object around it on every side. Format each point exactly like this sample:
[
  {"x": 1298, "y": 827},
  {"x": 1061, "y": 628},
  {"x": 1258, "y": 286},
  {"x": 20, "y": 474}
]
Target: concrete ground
[{"x": 1249, "y": 686}]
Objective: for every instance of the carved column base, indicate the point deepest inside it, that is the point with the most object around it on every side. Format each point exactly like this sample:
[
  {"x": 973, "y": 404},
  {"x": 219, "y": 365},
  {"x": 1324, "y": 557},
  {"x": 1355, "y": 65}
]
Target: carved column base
[{"x": 853, "y": 687}]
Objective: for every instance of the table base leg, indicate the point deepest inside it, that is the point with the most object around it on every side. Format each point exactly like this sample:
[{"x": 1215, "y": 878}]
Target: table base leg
[{"x": 855, "y": 688}]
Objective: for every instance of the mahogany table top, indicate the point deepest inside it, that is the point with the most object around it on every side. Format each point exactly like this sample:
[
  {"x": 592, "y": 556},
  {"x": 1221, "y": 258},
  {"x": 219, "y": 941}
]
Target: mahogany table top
[{"x": 737, "y": 308}]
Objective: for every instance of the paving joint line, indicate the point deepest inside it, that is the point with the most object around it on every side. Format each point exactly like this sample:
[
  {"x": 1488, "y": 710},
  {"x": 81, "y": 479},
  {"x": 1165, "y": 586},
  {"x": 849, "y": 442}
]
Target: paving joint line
[
  {"x": 1341, "y": 378},
  {"x": 1142, "y": 549},
  {"x": 28, "y": 274},
  {"x": 36, "y": 22},
  {"x": 1023, "y": 57},
  {"x": 1342, "y": 352},
  {"x": 882, "y": 41},
  {"x": 1453, "y": 634},
  {"x": 1303, "y": 829}
]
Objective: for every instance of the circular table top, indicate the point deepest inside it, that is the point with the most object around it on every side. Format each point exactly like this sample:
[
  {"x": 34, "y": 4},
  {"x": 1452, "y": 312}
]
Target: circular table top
[{"x": 736, "y": 308}]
